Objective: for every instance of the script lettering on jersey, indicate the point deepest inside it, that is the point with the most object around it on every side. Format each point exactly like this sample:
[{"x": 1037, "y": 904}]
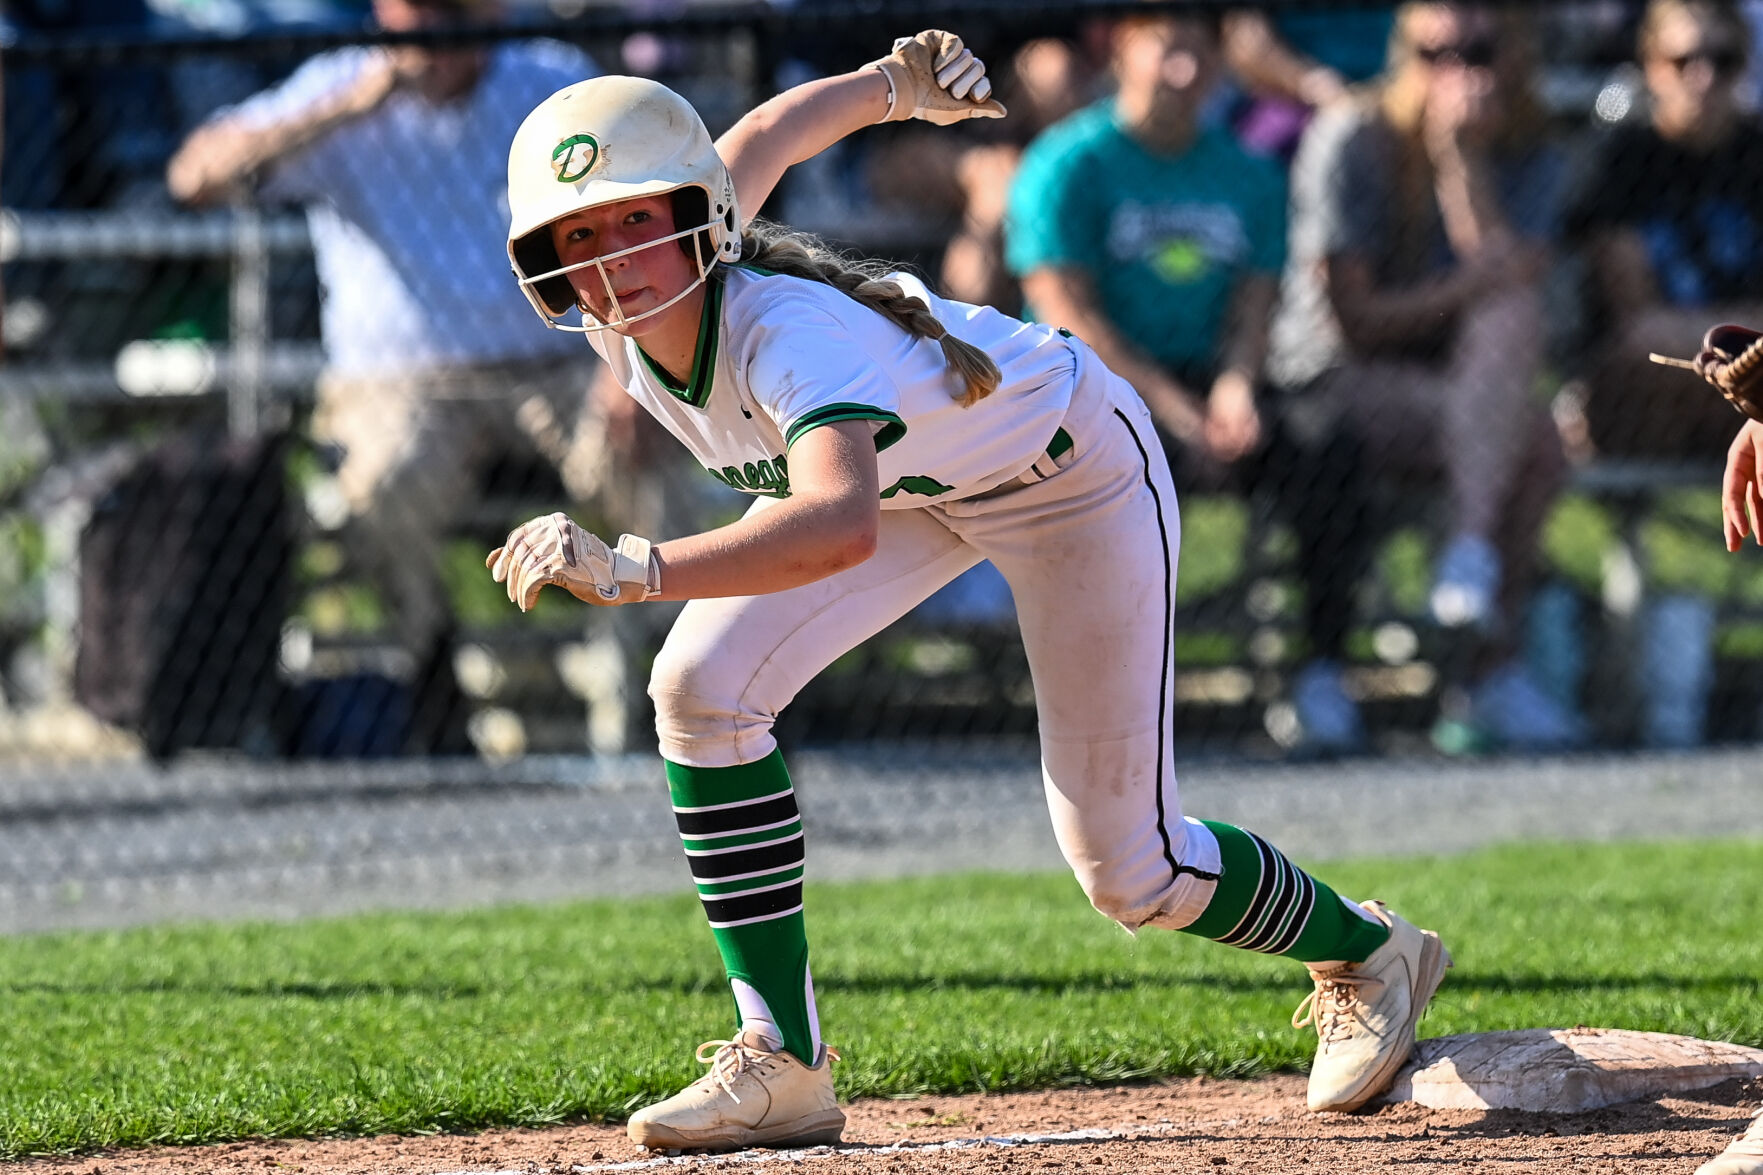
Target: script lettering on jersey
[{"x": 771, "y": 477}]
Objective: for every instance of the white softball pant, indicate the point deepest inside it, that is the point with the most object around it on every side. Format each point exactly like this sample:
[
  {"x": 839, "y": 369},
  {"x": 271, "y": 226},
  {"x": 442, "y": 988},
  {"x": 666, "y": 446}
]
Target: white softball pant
[{"x": 1088, "y": 544}]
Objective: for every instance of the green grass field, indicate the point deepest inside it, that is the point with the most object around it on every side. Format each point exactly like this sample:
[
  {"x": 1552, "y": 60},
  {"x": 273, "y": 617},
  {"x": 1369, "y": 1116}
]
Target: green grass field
[{"x": 437, "y": 1022}]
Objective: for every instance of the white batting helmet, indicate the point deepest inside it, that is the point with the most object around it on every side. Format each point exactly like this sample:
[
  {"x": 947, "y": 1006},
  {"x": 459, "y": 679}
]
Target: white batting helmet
[{"x": 596, "y": 142}]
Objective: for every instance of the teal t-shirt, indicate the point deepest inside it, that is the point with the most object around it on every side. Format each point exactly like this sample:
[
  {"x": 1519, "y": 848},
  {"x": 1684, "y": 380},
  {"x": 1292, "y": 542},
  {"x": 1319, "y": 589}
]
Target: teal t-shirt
[{"x": 1165, "y": 238}]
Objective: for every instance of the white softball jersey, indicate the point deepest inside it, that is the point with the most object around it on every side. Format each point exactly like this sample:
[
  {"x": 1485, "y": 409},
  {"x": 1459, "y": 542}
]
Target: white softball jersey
[
  {"x": 779, "y": 356},
  {"x": 1087, "y": 538}
]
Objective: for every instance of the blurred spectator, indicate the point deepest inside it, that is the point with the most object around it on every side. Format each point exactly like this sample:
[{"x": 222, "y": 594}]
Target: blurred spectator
[
  {"x": 436, "y": 365},
  {"x": 5, "y": 39},
  {"x": 1159, "y": 241},
  {"x": 1291, "y": 62},
  {"x": 200, "y": 83},
  {"x": 1669, "y": 209},
  {"x": 1048, "y": 79},
  {"x": 1751, "y": 88},
  {"x": 963, "y": 179},
  {"x": 1420, "y": 219}
]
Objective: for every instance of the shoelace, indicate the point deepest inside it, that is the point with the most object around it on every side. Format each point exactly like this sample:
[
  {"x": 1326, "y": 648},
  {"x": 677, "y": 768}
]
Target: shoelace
[
  {"x": 1330, "y": 1006},
  {"x": 728, "y": 1059}
]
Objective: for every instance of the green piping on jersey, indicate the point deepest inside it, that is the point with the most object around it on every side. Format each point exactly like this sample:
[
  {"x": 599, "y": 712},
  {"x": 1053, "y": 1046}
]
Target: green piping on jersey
[
  {"x": 696, "y": 390},
  {"x": 892, "y": 429}
]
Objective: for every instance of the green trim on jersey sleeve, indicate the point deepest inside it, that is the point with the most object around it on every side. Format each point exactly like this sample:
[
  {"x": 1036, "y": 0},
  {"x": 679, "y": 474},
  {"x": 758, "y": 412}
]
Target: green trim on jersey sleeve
[
  {"x": 892, "y": 429},
  {"x": 888, "y": 433},
  {"x": 696, "y": 390}
]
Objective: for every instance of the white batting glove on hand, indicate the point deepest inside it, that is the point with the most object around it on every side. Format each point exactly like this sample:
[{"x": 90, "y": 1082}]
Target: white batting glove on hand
[
  {"x": 935, "y": 77},
  {"x": 553, "y": 550}
]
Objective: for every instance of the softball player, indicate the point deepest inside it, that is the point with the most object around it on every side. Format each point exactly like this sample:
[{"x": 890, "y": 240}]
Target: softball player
[{"x": 891, "y": 439}]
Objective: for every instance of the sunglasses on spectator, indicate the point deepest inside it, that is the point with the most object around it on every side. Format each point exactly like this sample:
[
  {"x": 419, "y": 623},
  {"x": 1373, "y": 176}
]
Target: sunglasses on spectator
[
  {"x": 1724, "y": 60},
  {"x": 1468, "y": 55}
]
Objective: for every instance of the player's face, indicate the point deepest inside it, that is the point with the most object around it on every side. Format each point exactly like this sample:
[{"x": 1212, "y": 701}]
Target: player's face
[{"x": 641, "y": 279}]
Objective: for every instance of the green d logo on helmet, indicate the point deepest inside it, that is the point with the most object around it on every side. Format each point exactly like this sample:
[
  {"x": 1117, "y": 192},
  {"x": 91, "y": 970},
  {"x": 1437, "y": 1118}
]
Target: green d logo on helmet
[{"x": 572, "y": 164}]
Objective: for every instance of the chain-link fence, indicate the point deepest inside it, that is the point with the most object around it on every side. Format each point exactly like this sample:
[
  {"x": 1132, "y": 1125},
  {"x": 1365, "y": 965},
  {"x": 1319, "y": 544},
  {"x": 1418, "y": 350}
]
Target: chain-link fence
[{"x": 269, "y": 392}]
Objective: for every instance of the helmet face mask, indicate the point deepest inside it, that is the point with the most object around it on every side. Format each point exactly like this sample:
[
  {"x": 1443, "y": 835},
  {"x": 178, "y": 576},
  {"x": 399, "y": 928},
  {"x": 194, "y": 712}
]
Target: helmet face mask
[
  {"x": 599, "y": 142},
  {"x": 704, "y": 259}
]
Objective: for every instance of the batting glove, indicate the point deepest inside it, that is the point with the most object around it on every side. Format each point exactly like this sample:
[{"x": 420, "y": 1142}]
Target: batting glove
[
  {"x": 935, "y": 77},
  {"x": 553, "y": 550}
]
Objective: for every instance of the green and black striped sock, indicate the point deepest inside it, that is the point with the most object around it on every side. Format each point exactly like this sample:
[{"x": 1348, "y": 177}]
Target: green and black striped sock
[
  {"x": 1265, "y": 903},
  {"x": 743, "y": 838}
]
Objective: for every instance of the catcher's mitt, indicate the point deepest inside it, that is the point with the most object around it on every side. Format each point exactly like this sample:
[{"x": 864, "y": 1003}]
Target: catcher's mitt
[{"x": 1731, "y": 359}]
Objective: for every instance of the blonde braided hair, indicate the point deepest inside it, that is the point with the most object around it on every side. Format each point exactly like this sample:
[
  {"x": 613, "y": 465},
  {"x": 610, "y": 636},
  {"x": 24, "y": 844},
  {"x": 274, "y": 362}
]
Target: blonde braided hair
[{"x": 797, "y": 254}]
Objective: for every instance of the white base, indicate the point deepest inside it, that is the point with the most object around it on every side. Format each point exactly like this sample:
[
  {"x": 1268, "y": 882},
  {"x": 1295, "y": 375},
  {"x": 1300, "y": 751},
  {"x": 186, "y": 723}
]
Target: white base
[{"x": 1564, "y": 1070}]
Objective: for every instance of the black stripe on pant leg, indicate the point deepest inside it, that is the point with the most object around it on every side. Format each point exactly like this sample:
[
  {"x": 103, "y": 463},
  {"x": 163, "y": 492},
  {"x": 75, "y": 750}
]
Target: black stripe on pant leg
[
  {"x": 1164, "y": 719},
  {"x": 740, "y": 907},
  {"x": 726, "y": 821},
  {"x": 1263, "y": 894},
  {"x": 764, "y": 859}
]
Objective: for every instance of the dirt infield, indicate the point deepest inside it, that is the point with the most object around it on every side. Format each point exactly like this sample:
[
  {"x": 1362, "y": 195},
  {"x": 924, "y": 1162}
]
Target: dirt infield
[{"x": 1196, "y": 1125}]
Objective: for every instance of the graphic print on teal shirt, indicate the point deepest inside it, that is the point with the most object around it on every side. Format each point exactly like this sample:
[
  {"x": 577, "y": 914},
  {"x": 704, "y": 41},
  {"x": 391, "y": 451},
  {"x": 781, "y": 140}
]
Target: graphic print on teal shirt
[
  {"x": 1183, "y": 244},
  {"x": 1165, "y": 238}
]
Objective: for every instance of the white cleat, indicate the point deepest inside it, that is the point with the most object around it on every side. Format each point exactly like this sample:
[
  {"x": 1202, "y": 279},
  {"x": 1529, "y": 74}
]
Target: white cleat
[
  {"x": 1365, "y": 1013},
  {"x": 751, "y": 1097},
  {"x": 1743, "y": 1157}
]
